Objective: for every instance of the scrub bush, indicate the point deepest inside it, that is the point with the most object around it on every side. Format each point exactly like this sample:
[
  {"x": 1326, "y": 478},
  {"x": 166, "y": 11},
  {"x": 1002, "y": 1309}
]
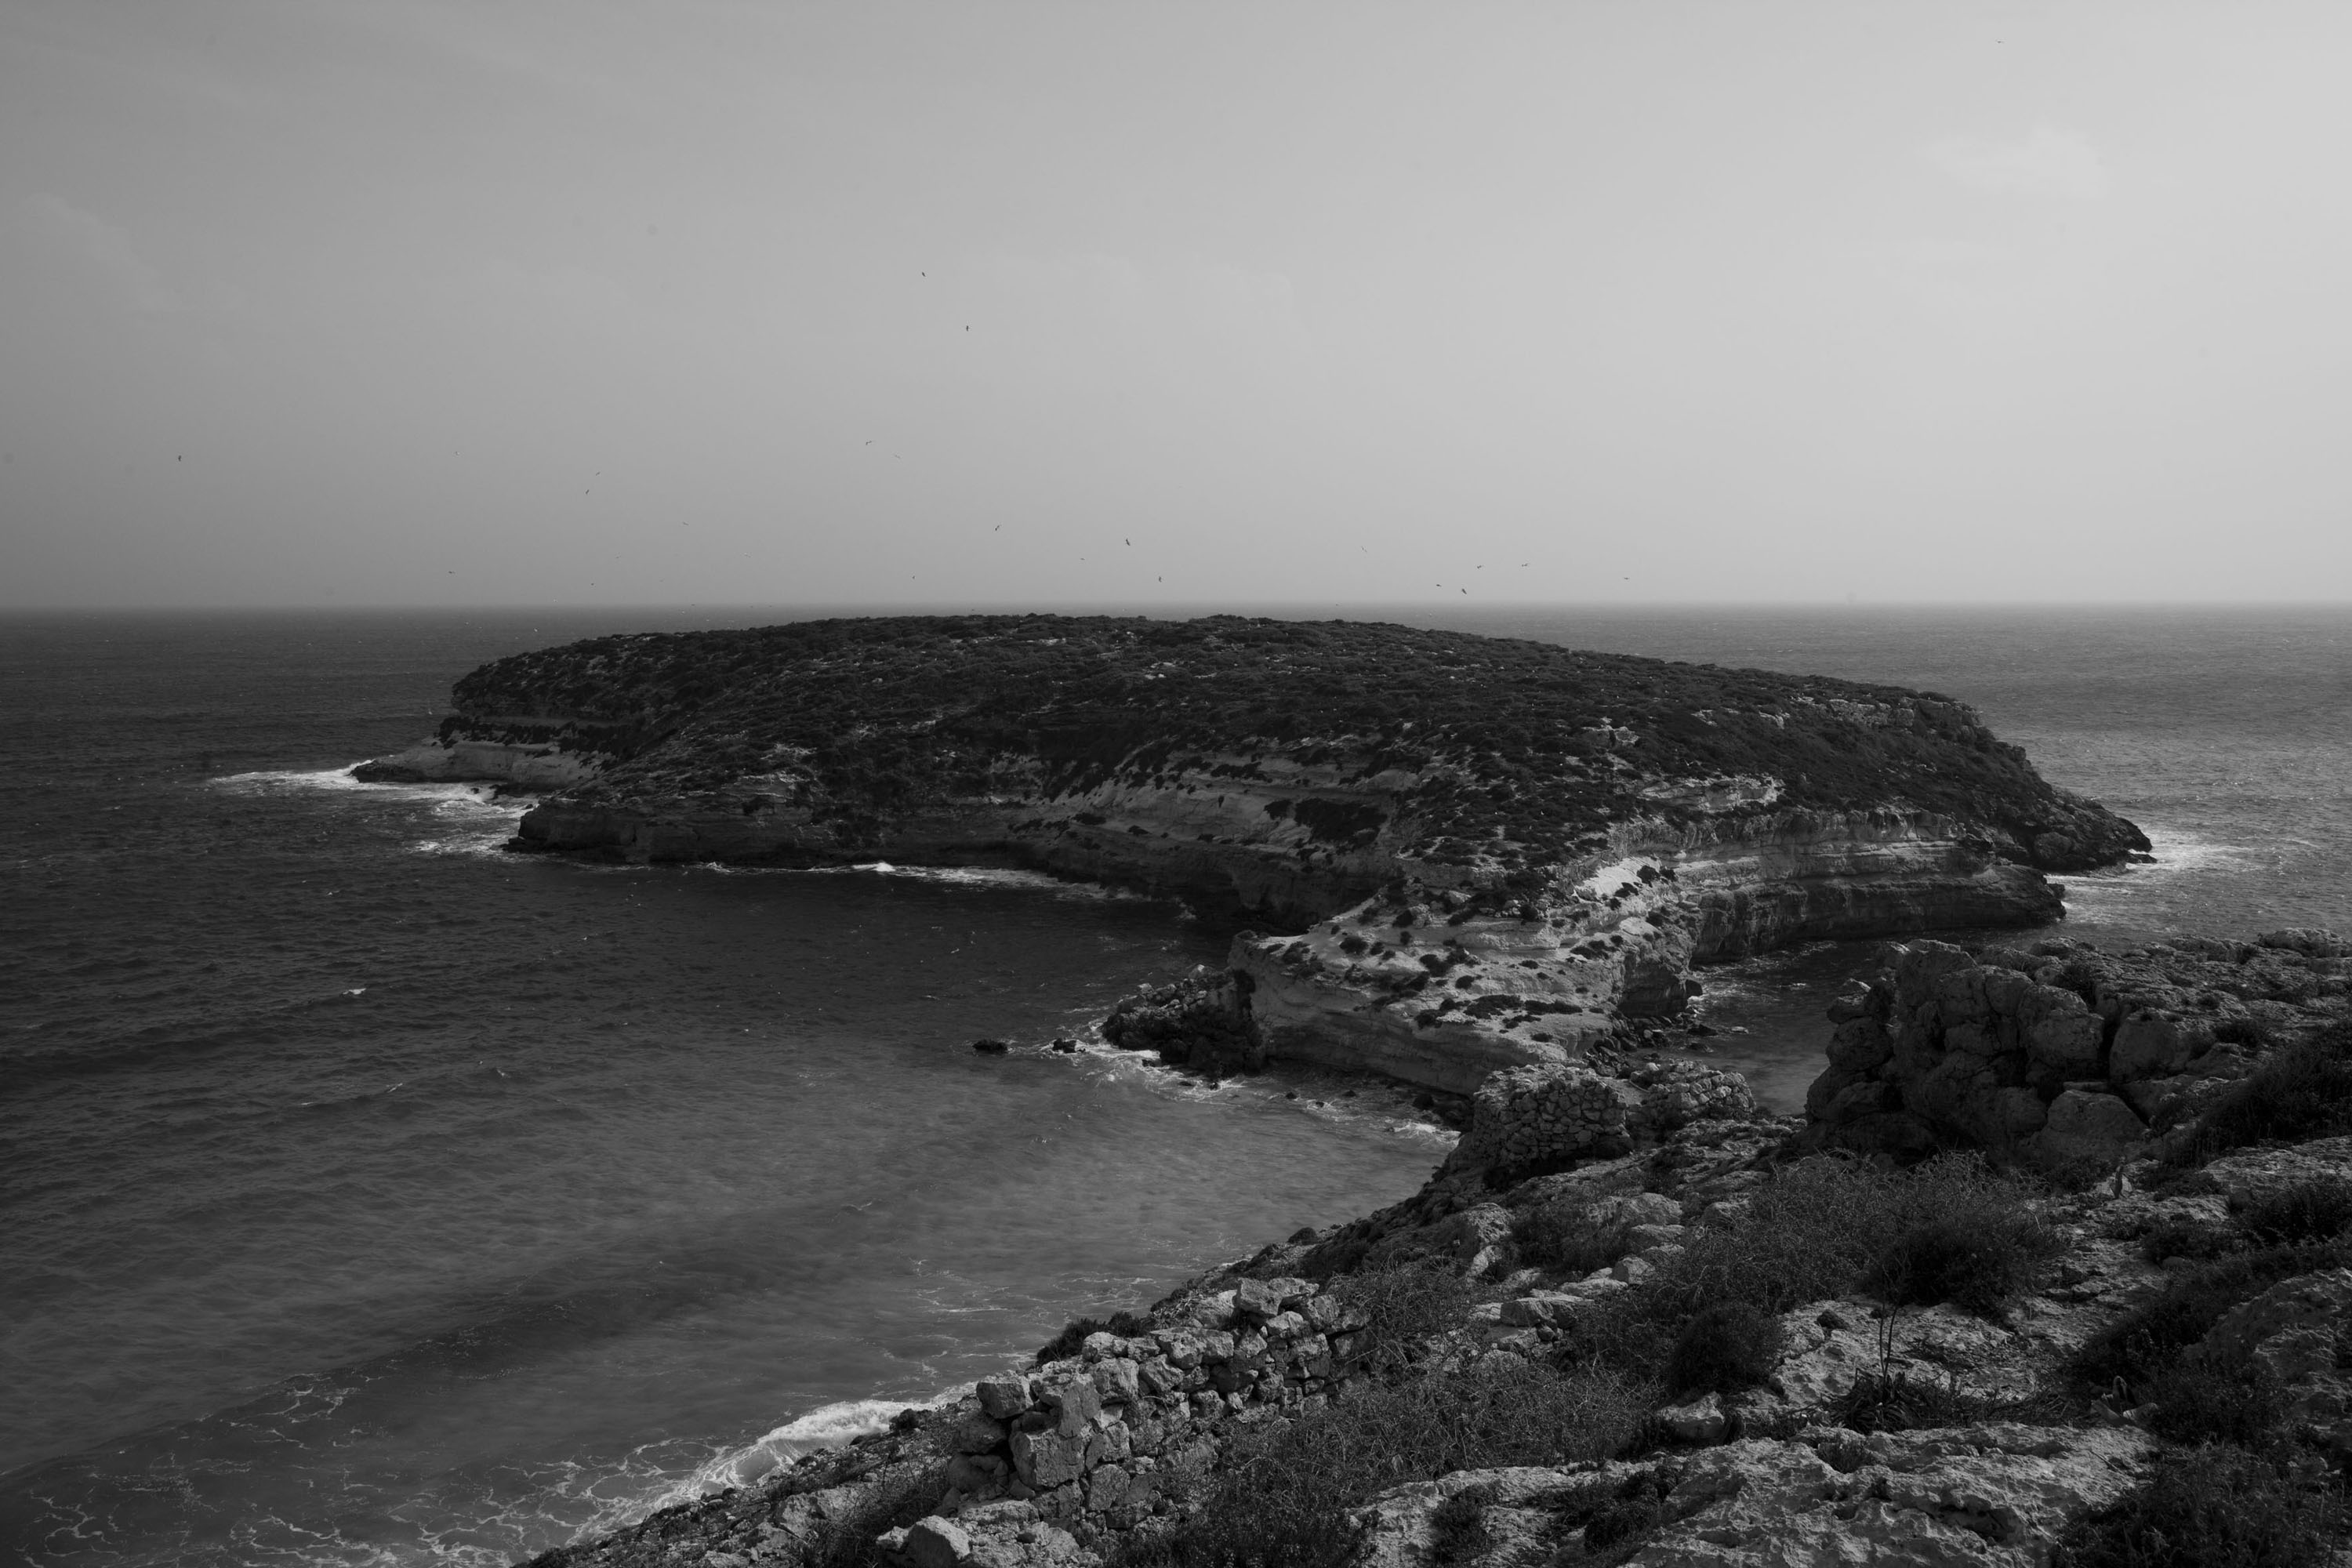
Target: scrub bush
[
  {"x": 1282, "y": 1499},
  {"x": 2302, "y": 1091},
  {"x": 1724, "y": 1349},
  {"x": 2213, "y": 1507},
  {"x": 2306, "y": 1212},
  {"x": 1557, "y": 1237}
]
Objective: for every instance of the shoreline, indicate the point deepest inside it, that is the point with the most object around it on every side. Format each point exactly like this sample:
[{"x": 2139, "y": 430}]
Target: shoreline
[{"x": 1703, "y": 1161}]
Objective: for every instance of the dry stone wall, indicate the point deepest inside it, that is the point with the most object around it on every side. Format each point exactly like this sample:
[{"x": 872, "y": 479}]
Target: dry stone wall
[
  {"x": 1527, "y": 1120},
  {"x": 1117, "y": 1431}
]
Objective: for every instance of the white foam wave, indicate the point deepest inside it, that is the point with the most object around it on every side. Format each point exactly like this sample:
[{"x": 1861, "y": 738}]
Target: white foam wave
[
  {"x": 1333, "y": 1097},
  {"x": 446, "y": 799},
  {"x": 827, "y": 1426},
  {"x": 476, "y": 822},
  {"x": 946, "y": 876},
  {"x": 2180, "y": 855}
]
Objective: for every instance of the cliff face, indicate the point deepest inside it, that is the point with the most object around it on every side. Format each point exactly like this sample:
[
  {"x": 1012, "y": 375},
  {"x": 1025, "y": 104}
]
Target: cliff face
[{"x": 1492, "y": 847}]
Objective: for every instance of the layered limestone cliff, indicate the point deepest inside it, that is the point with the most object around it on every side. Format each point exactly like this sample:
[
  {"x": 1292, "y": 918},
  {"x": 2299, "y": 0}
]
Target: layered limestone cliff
[{"x": 1477, "y": 851}]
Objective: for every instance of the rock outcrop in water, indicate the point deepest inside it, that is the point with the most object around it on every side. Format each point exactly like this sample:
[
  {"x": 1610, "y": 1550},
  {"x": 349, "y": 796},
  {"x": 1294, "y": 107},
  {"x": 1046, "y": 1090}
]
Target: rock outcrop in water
[{"x": 1478, "y": 852}]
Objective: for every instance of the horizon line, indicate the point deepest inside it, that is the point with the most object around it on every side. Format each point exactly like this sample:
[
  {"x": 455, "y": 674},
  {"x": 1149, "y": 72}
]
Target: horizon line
[{"x": 1172, "y": 609}]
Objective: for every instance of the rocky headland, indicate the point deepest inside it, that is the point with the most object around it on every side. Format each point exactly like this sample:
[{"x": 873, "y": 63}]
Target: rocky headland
[
  {"x": 1460, "y": 853},
  {"x": 1632, "y": 1319}
]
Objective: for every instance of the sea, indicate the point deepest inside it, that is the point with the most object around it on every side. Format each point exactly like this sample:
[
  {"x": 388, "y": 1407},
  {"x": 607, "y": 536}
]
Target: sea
[{"x": 371, "y": 1196}]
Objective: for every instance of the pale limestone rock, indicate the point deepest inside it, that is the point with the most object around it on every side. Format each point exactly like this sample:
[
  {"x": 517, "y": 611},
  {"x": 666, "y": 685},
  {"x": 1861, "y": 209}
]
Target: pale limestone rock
[
  {"x": 1003, "y": 1398},
  {"x": 931, "y": 1542},
  {"x": 1983, "y": 1496},
  {"x": 997, "y": 1535},
  {"x": 2292, "y": 1331},
  {"x": 1829, "y": 1346},
  {"x": 1046, "y": 1459},
  {"x": 1700, "y": 1420},
  {"x": 2241, "y": 1178},
  {"x": 1074, "y": 1402},
  {"x": 1116, "y": 1381},
  {"x": 1991, "y": 1496}
]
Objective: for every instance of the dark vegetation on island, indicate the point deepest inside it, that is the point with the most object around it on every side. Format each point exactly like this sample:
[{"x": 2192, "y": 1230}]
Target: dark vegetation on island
[{"x": 1522, "y": 748}]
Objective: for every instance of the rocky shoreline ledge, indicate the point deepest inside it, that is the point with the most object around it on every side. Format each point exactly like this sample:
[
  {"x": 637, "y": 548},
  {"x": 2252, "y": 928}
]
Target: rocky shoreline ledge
[{"x": 1630, "y": 1320}]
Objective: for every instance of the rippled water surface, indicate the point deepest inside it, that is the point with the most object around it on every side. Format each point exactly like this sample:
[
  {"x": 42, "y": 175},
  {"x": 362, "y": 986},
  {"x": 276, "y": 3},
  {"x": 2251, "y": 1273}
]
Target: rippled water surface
[{"x": 367, "y": 1195}]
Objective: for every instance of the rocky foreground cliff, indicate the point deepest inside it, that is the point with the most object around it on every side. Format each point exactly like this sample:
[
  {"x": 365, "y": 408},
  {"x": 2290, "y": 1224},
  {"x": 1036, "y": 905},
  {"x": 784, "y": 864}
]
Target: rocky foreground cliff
[
  {"x": 1631, "y": 1321},
  {"x": 1470, "y": 852}
]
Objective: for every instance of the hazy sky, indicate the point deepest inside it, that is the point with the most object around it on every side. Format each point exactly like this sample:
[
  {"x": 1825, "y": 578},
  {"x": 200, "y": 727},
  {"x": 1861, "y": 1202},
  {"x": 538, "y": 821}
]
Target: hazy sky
[{"x": 330, "y": 302}]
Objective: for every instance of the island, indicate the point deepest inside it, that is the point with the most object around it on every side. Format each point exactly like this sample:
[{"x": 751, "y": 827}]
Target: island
[{"x": 1455, "y": 853}]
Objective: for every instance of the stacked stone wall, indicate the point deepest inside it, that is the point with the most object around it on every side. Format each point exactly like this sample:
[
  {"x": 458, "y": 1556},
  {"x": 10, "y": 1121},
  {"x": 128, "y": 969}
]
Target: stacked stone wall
[
  {"x": 1121, "y": 1429},
  {"x": 1547, "y": 1116}
]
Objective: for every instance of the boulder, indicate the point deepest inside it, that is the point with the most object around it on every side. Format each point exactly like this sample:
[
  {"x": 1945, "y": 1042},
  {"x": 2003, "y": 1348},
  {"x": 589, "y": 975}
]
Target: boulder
[
  {"x": 2086, "y": 1125},
  {"x": 2066, "y": 1037},
  {"x": 931, "y": 1542},
  {"x": 1257, "y": 1299},
  {"x": 1546, "y": 1309},
  {"x": 1072, "y": 1403},
  {"x": 994, "y": 1535},
  {"x": 1044, "y": 1460},
  {"x": 1859, "y": 1045},
  {"x": 1700, "y": 1420},
  {"x": 978, "y": 1433},
  {"x": 2150, "y": 1043},
  {"x": 1003, "y": 1398},
  {"x": 1116, "y": 1381}
]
